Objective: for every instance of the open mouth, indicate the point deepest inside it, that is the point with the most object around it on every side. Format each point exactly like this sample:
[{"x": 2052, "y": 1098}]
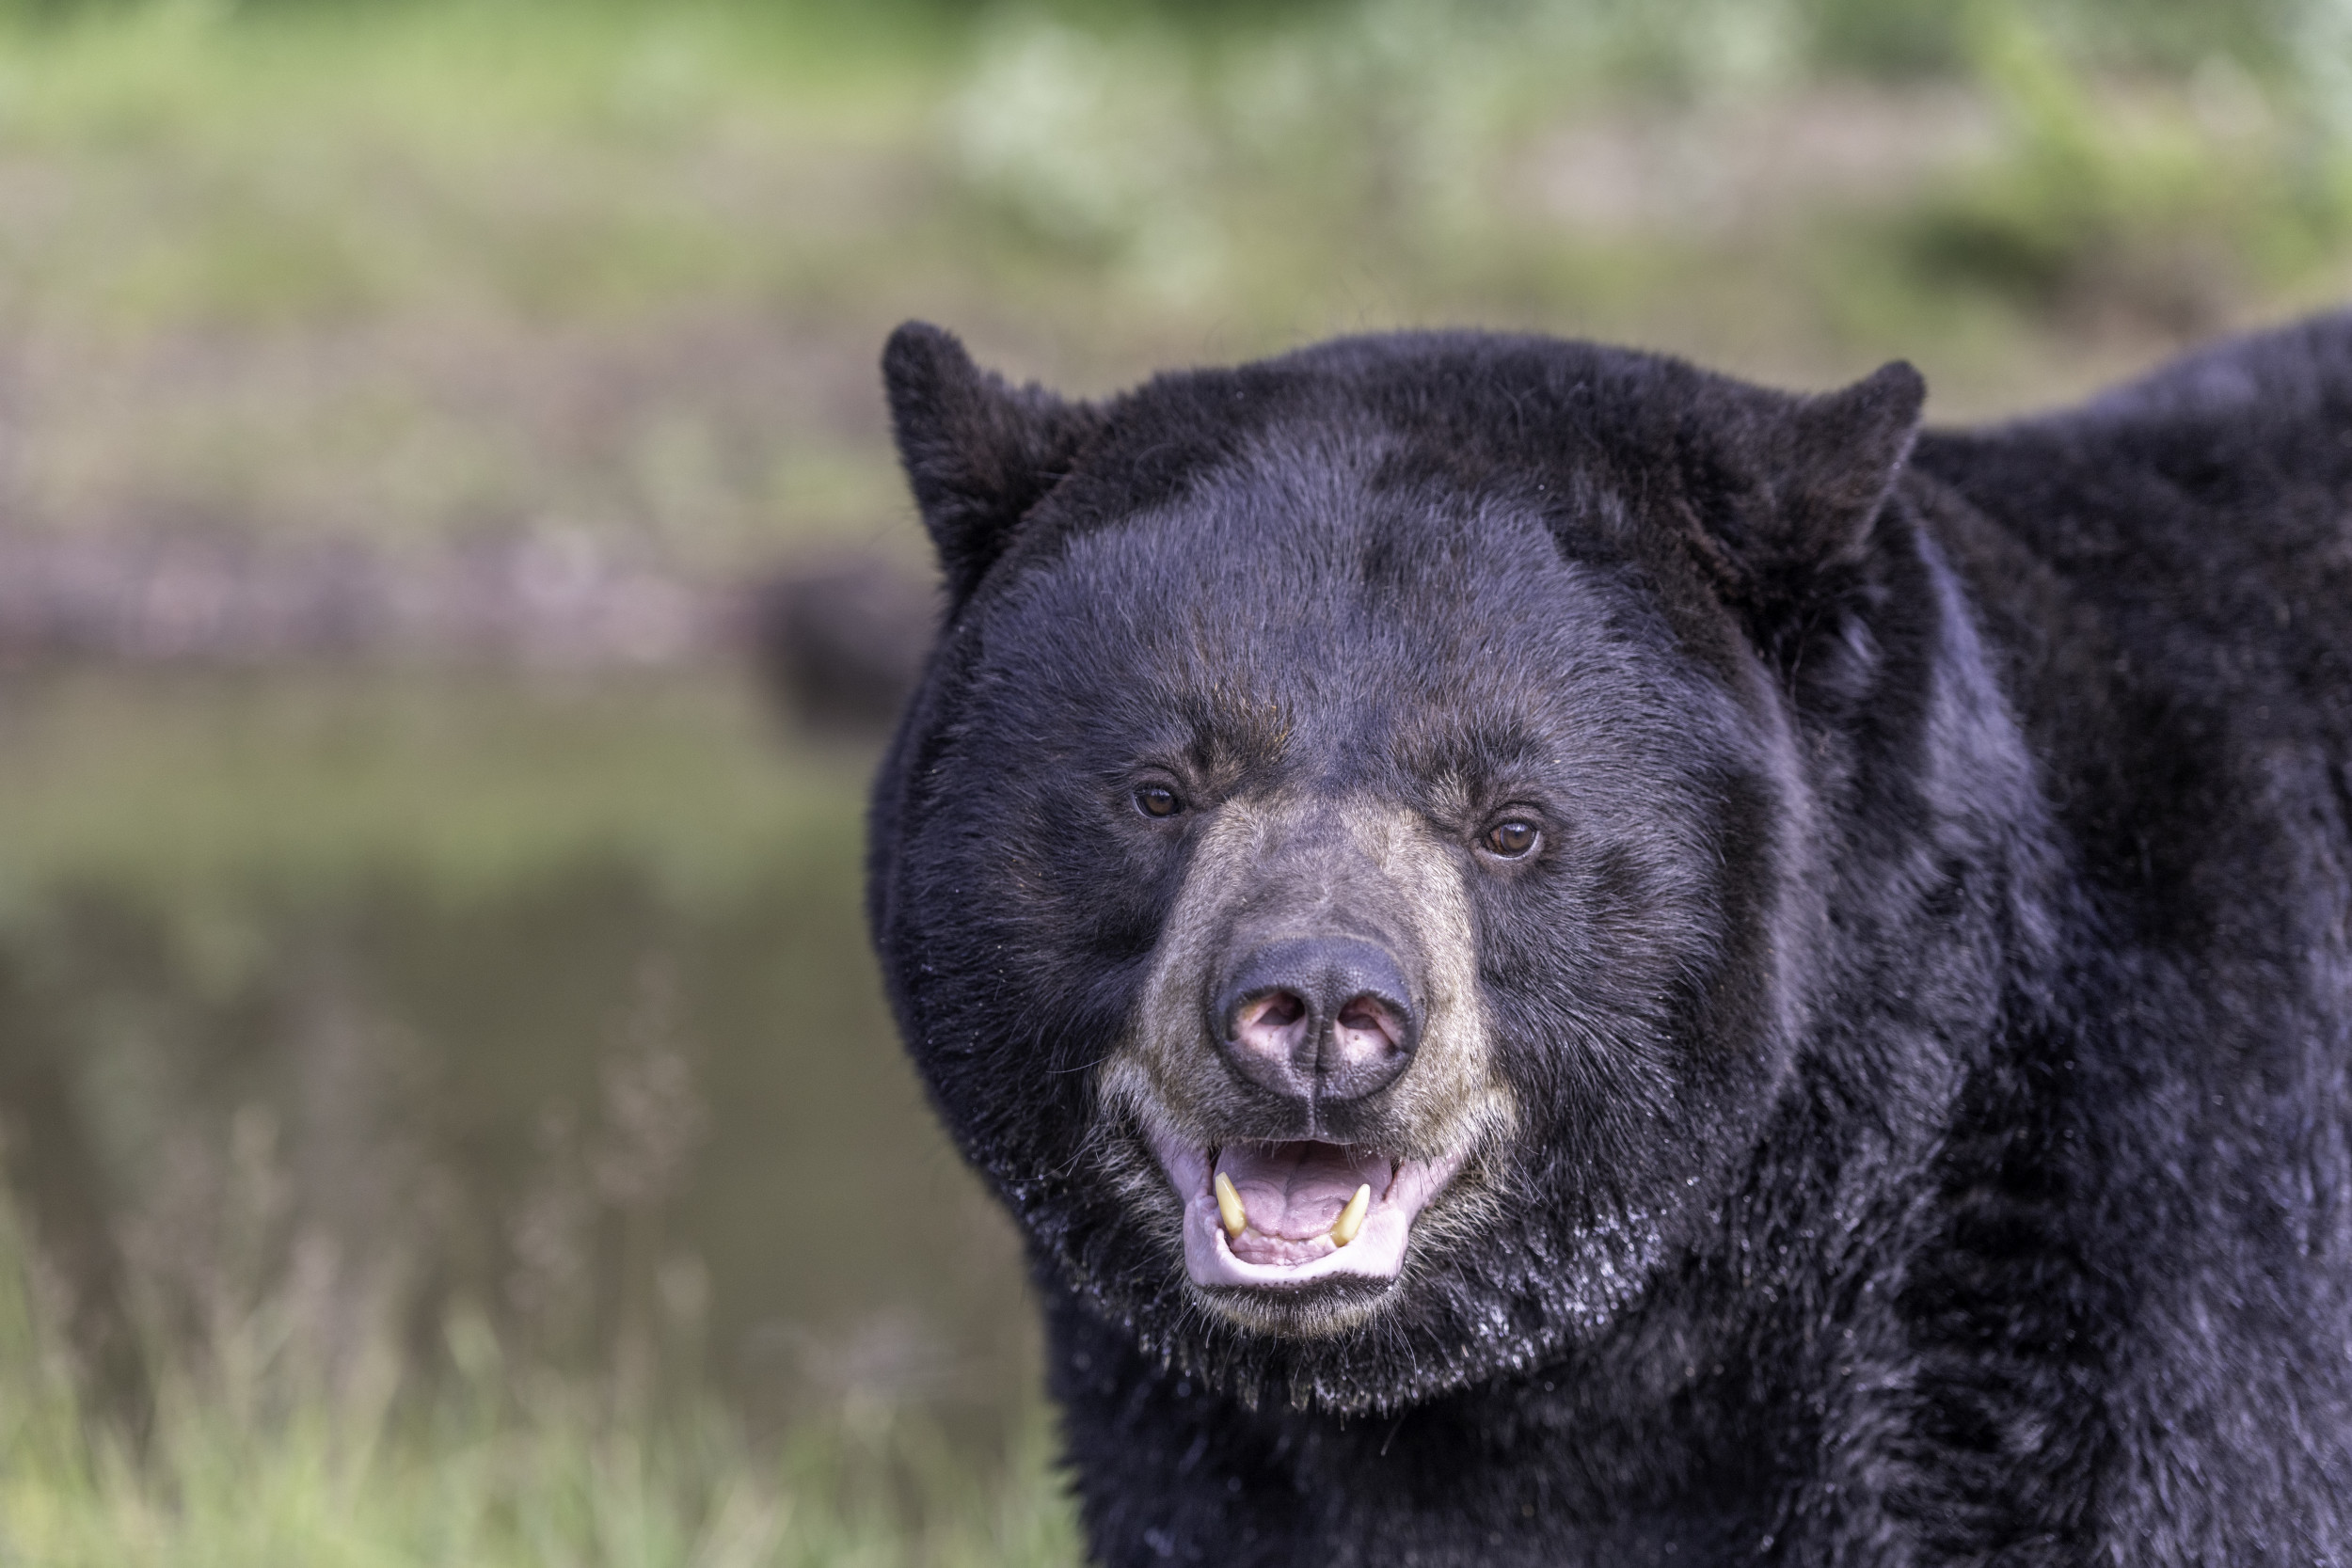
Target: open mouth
[{"x": 1284, "y": 1215}]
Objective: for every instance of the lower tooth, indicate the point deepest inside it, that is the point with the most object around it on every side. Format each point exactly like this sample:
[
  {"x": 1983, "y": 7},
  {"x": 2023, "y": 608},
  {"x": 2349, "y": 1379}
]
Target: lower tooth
[
  {"x": 1228, "y": 1208},
  {"x": 1351, "y": 1220}
]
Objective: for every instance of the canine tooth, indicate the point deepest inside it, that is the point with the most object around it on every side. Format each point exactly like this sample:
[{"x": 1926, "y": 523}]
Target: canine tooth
[
  {"x": 1228, "y": 1207},
  {"x": 1352, "y": 1217}
]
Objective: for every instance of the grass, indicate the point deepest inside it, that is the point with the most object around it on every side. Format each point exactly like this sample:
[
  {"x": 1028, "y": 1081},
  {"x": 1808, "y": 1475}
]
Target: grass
[{"x": 256, "y": 1459}]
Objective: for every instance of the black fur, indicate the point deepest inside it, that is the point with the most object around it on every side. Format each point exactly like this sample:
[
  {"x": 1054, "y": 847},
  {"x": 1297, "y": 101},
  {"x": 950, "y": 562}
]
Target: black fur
[{"x": 1927, "y": 1015}]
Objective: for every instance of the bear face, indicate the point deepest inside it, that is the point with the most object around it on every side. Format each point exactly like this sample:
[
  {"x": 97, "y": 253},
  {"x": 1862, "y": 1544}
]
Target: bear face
[{"x": 1352, "y": 874}]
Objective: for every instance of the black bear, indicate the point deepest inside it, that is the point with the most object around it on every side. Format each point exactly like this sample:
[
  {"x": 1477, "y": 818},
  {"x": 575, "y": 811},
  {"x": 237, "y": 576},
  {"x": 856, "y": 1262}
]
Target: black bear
[{"x": 1566, "y": 959}]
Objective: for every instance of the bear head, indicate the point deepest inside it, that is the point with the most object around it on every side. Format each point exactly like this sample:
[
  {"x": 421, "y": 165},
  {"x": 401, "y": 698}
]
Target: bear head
[{"x": 1349, "y": 874}]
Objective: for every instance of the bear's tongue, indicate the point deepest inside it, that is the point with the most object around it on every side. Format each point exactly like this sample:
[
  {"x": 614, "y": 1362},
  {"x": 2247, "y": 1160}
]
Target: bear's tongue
[{"x": 1294, "y": 1193}]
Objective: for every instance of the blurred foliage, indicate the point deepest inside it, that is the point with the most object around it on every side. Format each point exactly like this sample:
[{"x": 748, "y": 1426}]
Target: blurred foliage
[
  {"x": 1890, "y": 38},
  {"x": 425, "y": 274},
  {"x": 2167, "y": 207},
  {"x": 1914, "y": 37},
  {"x": 263, "y": 1453},
  {"x": 2071, "y": 193}
]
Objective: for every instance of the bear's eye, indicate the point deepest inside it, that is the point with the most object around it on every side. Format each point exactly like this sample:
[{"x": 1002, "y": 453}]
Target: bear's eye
[
  {"x": 1512, "y": 840},
  {"x": 1158, "y": 801}
]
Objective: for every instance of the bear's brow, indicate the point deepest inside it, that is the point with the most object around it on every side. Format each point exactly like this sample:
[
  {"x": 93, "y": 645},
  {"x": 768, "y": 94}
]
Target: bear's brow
[
  {"x": 1480, "y": 749},
  {"x": 1228, "y": 732}
]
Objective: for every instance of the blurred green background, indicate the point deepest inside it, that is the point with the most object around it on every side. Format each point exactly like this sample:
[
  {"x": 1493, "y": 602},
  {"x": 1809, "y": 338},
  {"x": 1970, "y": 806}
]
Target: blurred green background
[{"x": 451, "y": 561}]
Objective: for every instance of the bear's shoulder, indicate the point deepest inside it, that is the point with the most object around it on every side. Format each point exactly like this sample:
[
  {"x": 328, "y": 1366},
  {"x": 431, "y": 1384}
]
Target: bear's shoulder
[{"x": 2255, "y": 432}]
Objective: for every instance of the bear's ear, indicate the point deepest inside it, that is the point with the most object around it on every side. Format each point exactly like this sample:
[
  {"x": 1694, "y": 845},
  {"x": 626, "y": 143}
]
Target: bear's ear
[
  {"x": 1821, "y": 468},
  {"x": 979, "y": 454},
  {"x": 1848, "y": 449}
]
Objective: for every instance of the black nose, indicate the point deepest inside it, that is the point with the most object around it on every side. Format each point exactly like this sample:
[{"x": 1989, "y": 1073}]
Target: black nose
[{"x": 1317, "y": 1019}]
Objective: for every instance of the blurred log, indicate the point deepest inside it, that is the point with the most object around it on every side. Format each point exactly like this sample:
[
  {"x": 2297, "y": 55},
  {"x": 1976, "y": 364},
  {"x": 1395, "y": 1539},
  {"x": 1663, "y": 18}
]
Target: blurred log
[
  {"x": 544, "y": 599},
  {"x": 841, "y": 646}
]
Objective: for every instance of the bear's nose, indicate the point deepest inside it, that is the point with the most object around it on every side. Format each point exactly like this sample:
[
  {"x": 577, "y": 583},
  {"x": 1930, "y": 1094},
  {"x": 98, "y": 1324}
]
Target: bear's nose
[{"x": 1317, "y": 1019}]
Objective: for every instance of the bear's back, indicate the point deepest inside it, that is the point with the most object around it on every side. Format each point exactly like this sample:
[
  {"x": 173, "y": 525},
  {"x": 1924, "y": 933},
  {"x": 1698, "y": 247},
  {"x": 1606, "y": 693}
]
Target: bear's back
[
  {"x": 2165, "y": 575},
  {"x": 2215, "y": 493},
  {"x": 2175, "y": 555}
]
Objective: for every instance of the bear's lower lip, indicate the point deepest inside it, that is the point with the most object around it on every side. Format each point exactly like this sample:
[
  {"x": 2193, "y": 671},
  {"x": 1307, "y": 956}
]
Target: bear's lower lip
[{"x": 1292, "y": 1198}]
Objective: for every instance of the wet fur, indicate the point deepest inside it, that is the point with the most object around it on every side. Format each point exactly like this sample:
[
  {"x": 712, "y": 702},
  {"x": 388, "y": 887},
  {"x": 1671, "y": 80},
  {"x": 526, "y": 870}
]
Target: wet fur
[{"x": 1929, "y": 1043}]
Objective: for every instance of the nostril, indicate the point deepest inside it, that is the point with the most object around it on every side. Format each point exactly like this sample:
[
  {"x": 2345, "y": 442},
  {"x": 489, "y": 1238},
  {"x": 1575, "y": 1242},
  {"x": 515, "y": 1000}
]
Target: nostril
[
  {"x": 1367, "y": 1043},
  {"x": 1369, "y": 1015},
  {"x": 1272, "y": 1029},
  {"x": 1275, "y": 1010}
]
